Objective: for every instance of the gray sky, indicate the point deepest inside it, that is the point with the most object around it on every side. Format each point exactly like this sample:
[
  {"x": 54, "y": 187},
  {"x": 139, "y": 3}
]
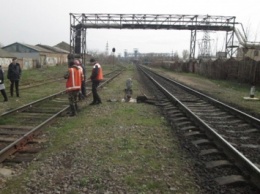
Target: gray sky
[{"x": 48, "y": 22}]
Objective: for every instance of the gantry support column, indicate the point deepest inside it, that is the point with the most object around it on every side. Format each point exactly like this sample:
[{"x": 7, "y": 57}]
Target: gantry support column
[{"x": 192, "y": 43}]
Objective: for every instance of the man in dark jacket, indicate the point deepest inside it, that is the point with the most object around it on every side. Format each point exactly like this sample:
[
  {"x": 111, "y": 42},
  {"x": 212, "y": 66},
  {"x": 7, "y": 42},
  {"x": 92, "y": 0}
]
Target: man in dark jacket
[{"x": 14, "y": 74}]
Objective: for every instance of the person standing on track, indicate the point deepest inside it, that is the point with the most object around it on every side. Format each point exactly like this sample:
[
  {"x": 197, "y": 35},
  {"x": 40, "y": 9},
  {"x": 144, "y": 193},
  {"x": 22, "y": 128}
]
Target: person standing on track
[
  {"x": 74, "y": 78},
  {"x": 2, "y": 85},
  {"x": 14, "y": 74},
  {"x": 96, "y": 77},
  {"x": 82, "y": 93}
]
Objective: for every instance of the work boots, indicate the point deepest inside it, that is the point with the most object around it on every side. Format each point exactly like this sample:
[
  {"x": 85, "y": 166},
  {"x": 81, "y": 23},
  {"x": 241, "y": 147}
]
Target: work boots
[
  {"x": 76, "y": 107},
  {"x": 72, "y": 111}
]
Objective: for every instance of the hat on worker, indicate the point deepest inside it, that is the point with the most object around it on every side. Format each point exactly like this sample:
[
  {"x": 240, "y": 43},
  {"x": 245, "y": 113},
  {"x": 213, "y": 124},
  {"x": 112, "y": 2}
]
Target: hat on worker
[{"x": 77, "y": 62}]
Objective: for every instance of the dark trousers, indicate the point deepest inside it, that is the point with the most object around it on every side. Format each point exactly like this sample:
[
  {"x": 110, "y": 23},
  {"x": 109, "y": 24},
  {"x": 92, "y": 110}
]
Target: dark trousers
[
  {"x": 83, "y": 88},
  {"x": 72, "y": 96},
  {"x": 96, "y": 97},
  {"x": 83, "y": 92},
  {"x": 4, "y": 95},
  {"x": 16, "y": 84}
]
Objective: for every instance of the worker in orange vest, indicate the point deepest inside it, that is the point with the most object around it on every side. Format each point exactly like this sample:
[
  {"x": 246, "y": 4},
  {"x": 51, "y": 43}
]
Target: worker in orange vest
[
  {"x": 74, "y": 78},
  {"x": 96, "y": 77},
  {"x": 82, "y": 92}
]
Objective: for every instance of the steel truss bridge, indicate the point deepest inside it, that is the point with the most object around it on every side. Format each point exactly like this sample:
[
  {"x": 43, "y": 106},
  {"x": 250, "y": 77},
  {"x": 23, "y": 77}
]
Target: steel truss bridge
[{"x": 79, "y": 23}]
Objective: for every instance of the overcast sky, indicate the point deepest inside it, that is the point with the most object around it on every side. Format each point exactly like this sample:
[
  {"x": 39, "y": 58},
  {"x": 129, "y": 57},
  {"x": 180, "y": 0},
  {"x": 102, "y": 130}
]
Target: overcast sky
[{"x": 48, "y": 22}]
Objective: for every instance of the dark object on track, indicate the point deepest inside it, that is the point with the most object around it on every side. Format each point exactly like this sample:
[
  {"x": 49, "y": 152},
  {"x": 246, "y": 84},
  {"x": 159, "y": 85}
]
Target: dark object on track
[
  {"x": 144, "y": 99},
  {"x": 140, "y": 99}
]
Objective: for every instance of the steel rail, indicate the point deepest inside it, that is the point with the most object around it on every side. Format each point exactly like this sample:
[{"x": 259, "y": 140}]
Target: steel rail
[
  {"x": 21, "y": 108},
  {"x": 22, "y": 141},
  {"x": 19, "y": 143},
  {"x": 240, "y": 160},
  {"x": 39, "y": 83},
  {"x": 249, "y": 118}
]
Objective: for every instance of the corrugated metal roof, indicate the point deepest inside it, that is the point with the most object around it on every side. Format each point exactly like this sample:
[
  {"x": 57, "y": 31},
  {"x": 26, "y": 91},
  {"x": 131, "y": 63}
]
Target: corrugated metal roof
[
  {"x": 40, "y": 48},
  {"x": 53, "y": 49},
  {"x": 7, "y": 54},
  {"x": 35, "y": 48},
  {"x": 63, "y": 45}
]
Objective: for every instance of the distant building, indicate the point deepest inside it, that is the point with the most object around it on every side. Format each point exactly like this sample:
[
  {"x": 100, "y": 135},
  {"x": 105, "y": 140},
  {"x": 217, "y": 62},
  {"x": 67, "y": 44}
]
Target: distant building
[
  {"x": 58, "y": 56},
  {"x": 37, "y": 56},
  {"x": 5, "y": 58},
  {"x": 252, "y": 53},
  {"x": 63, "y": 45},
  {"x": 221, "y": 55}
]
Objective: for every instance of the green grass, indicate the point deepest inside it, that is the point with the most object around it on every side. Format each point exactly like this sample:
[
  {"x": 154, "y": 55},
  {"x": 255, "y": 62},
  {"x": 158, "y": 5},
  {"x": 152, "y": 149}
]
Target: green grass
[
  {"x": 228, "y": 91},
  {"x": 41, "y": 74},
  {"x": 33, "y": 76},
  {"x": 127, "y": 144},
  {"x": 7, "y": 120},
  {"x": 240, "y": 87}
]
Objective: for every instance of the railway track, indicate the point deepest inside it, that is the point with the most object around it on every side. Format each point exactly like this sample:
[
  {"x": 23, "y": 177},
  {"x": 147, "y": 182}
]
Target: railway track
[
  {"x": 20, "y": 127},
  {"x": 40, "y": 83},
  {"x": 224, "y": 140}
]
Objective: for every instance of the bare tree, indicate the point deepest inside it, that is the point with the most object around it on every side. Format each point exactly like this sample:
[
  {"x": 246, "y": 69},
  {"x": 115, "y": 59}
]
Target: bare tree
[
  {"x": 257, "y": 30},
  {"x": 185, "y": 54},
  {"x": 176, "y": 56},
  {"x": 250, "y": 36}
]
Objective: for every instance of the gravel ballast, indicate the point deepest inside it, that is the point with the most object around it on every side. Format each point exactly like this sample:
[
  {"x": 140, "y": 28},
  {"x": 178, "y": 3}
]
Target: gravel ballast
[{"x": 115, "y": 147}]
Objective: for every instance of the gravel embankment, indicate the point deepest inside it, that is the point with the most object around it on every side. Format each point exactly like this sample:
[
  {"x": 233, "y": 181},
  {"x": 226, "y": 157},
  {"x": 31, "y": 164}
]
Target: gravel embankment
[{"x": 115, "y": 147}]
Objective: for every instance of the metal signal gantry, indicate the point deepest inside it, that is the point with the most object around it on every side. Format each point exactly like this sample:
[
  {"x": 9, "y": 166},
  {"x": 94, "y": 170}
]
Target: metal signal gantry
[{"x": 80, "y": 22}]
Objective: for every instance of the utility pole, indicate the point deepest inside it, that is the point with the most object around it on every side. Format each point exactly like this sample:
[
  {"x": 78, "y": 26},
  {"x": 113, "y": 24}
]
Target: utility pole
[
  {"x": 107, "y": 49},
  {"x": 113, "y": 50}
]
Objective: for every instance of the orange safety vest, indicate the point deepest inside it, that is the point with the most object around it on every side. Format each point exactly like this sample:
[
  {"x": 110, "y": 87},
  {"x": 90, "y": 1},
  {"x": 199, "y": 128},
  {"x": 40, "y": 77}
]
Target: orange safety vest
[
  {"x": 74, "y": 80},
  {"x": 100, "y": 72},
  {"x": 82, "y": 73}
]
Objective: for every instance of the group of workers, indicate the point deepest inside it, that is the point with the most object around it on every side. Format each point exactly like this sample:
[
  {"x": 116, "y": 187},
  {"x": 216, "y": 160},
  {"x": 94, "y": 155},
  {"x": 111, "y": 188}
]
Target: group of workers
[
  {"x": 75, "y": 84},
  {"x": 76, "y": 80},
  {"x": 13, "y": 74}
]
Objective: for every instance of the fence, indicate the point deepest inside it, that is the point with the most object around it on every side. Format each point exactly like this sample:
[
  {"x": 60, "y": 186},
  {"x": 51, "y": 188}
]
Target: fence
[{"x": 244, "y": 71}]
